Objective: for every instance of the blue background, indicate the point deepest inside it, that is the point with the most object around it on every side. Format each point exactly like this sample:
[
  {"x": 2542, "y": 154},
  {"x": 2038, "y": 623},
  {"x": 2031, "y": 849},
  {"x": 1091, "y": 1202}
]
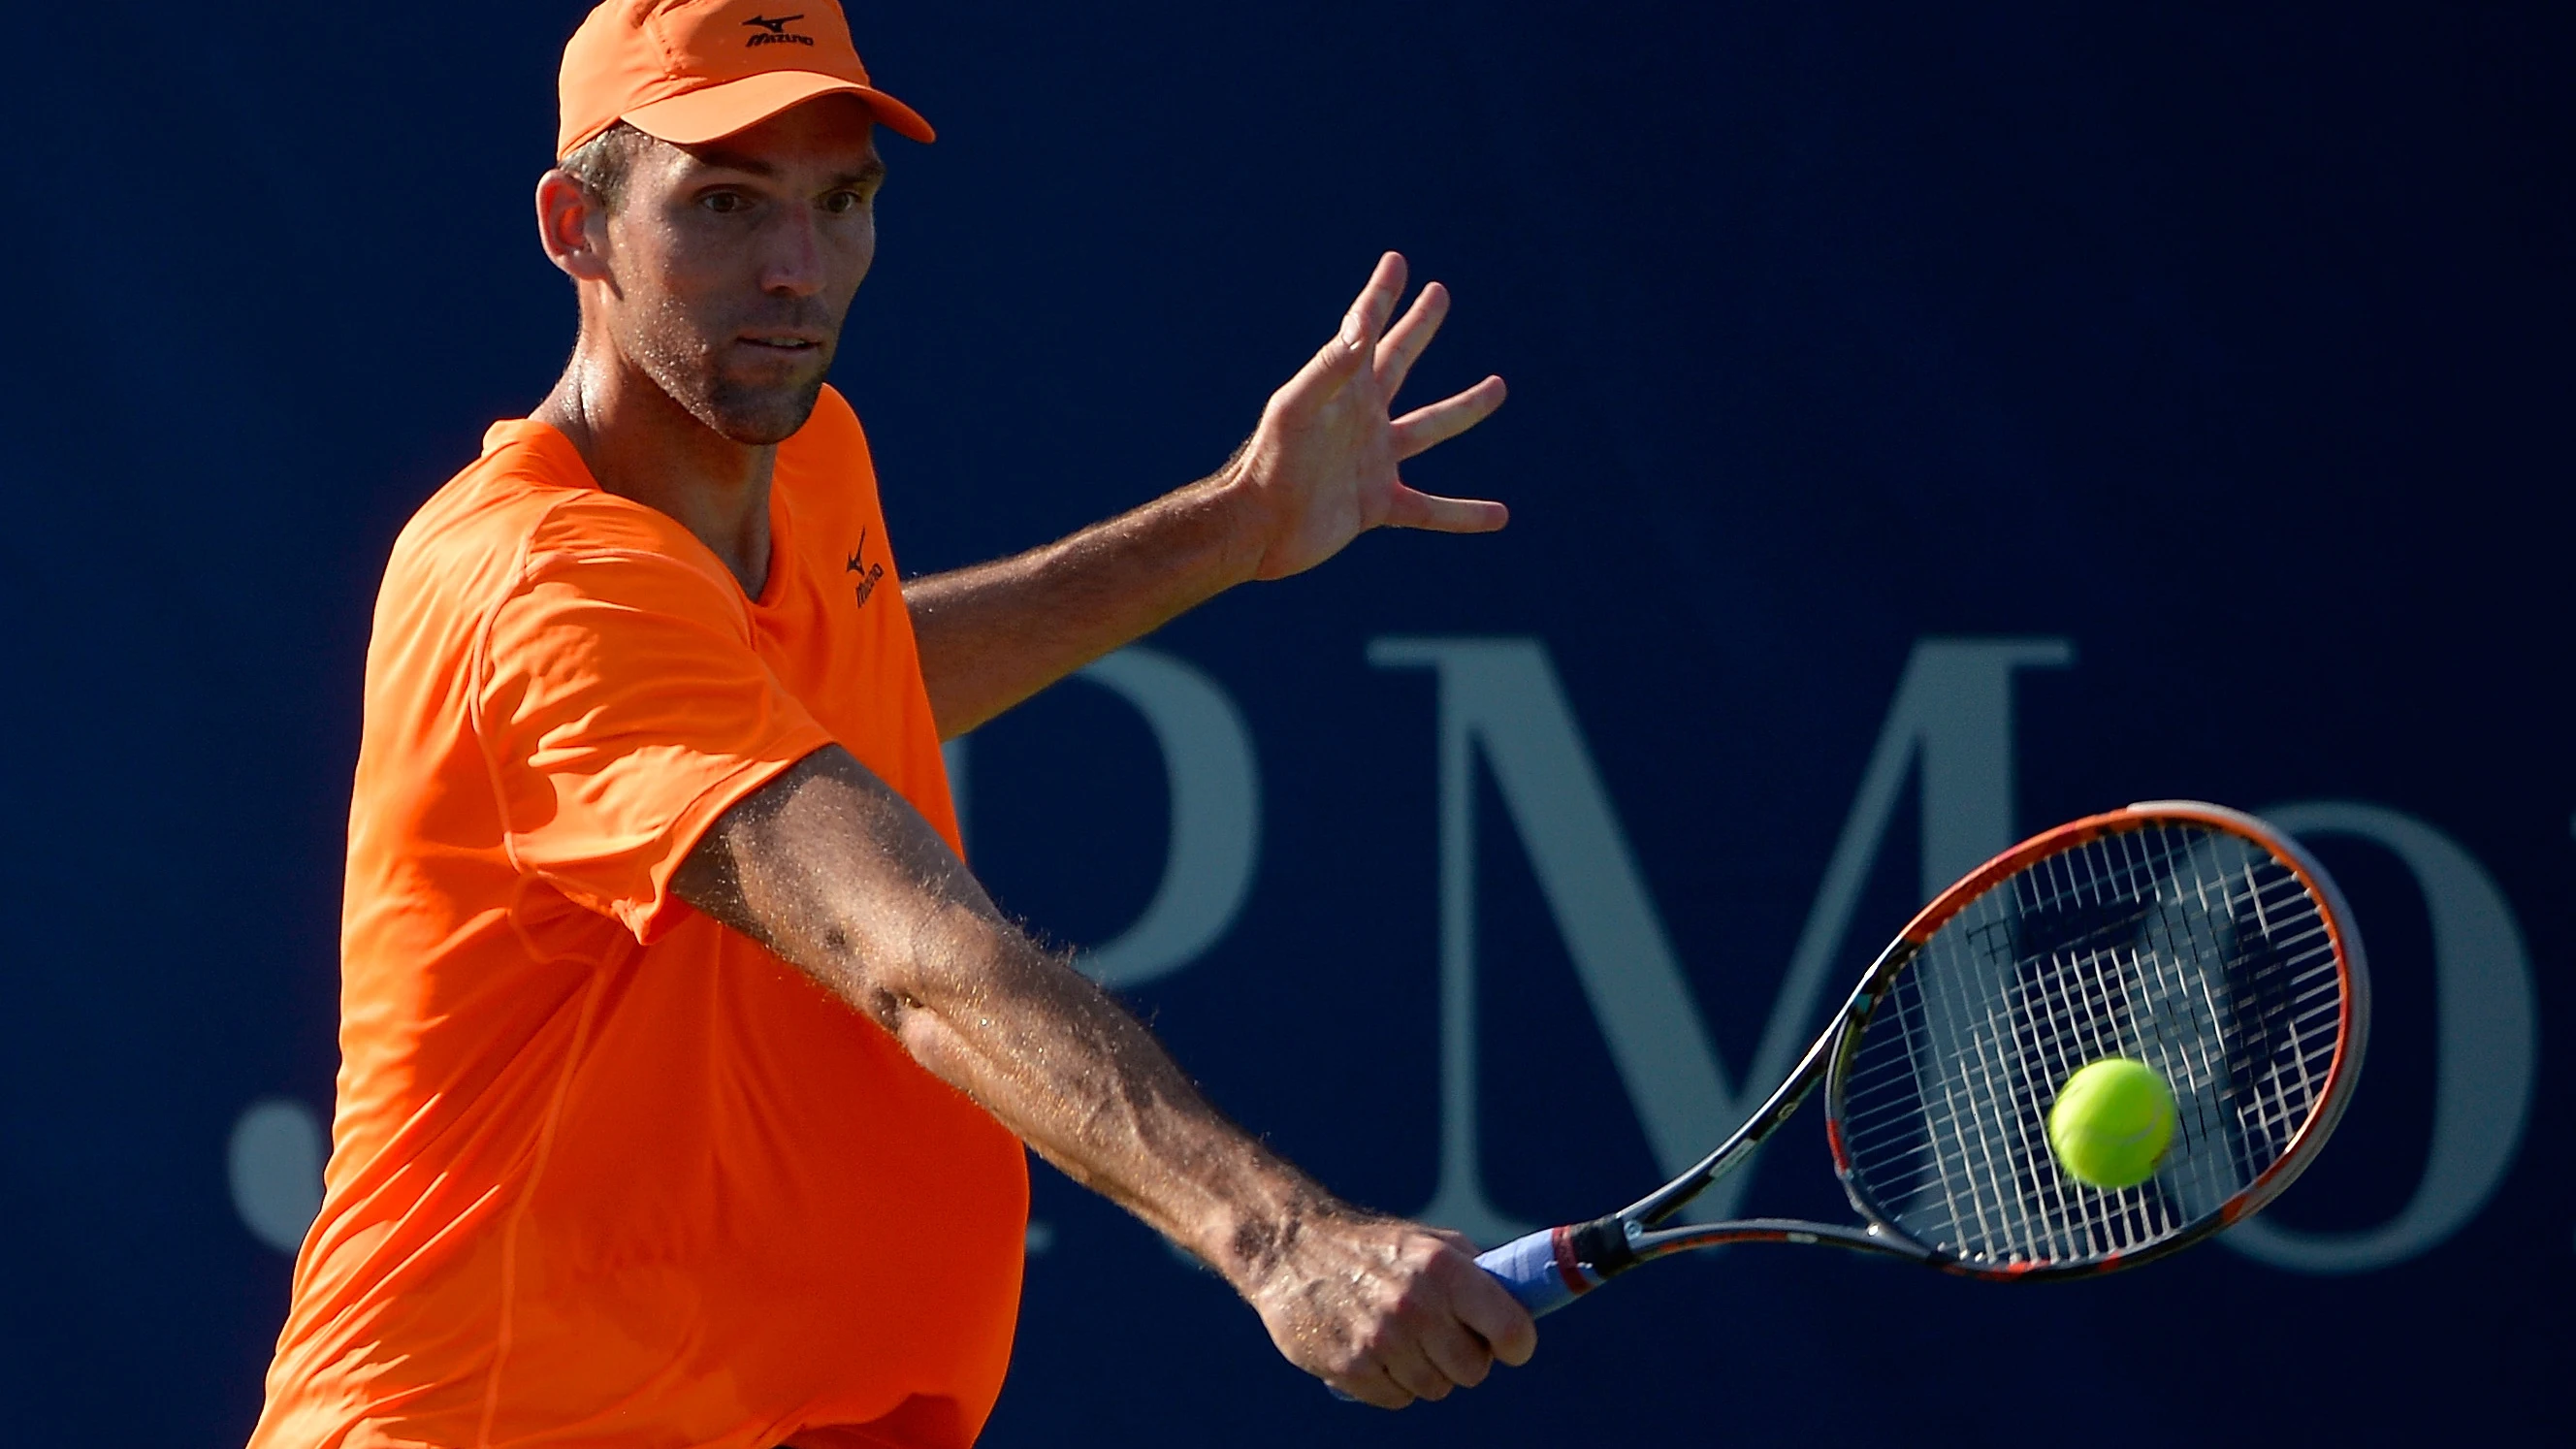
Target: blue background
[{"x": 2231, "y": 346}]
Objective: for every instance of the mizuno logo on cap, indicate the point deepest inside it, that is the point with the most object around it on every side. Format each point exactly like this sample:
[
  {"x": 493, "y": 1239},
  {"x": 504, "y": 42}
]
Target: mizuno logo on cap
[{"x": 776, "y": 32}]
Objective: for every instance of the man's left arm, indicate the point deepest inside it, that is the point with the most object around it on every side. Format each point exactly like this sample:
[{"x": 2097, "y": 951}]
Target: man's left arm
[{"x": 1319, "y": 470}]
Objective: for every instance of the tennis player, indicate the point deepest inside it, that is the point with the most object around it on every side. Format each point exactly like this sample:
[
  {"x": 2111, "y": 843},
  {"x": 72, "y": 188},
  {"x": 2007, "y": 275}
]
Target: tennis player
[{"x": 686, "y": 1070}]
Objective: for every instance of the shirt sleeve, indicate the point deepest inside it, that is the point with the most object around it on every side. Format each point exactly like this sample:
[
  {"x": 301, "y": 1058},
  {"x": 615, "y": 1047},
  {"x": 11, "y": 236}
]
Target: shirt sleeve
[{"x": 622, "y": 709}]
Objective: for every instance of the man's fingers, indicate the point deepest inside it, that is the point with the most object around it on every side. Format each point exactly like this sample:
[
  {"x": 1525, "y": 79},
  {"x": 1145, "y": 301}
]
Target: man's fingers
[
  {"x": 1326, "y": 373},
  {"x": 1488, "y": 1309},
  {"x": 1412, "y": 508},
  {"x": 1461, "y": 1355},
  {"x": 1432, "y": 424},
  {"x": 1375, "y": 303},
  {"x": 1338, "y": 361},
  {"x": 1404, "y": 343},
  {"x": 1372, "y": 1386},
  {"x": 1414, "y": 1372}
]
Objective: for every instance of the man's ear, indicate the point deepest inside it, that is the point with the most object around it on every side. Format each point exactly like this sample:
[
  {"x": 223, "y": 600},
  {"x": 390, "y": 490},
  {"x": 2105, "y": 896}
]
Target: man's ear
[{"x": 572, "y": 227}]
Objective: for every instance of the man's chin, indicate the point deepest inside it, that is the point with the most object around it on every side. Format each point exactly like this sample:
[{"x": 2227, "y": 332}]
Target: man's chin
[{"x": 762, "y": 416}]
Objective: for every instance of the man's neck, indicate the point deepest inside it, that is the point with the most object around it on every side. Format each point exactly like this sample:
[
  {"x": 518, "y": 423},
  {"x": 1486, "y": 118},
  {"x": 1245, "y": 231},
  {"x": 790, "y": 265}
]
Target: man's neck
[{"x": 640, "y": 444}]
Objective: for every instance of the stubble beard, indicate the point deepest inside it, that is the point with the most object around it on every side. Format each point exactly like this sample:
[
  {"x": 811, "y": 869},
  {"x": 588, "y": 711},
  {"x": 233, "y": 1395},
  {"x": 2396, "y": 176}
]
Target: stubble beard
[
  {"x": 758, "y": 416},
  {"x": 752, "y": 414}
]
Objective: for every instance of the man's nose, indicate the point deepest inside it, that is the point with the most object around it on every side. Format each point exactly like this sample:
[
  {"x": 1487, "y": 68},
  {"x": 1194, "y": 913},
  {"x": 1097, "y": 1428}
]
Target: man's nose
[{"x": 791, "y": 260}]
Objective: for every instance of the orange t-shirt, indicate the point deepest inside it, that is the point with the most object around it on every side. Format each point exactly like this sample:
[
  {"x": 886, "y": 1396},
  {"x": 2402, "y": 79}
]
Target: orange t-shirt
[{"x": 604, "y": 1172}]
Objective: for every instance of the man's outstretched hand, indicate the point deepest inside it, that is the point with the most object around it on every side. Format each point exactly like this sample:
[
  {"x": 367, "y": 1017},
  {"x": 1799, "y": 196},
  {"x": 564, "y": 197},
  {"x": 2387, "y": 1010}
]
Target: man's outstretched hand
[
  {"x": 1322, "y": 467},
  {"x": 1320, "y": 470},
  {"x": 1389, "y": 1311}
]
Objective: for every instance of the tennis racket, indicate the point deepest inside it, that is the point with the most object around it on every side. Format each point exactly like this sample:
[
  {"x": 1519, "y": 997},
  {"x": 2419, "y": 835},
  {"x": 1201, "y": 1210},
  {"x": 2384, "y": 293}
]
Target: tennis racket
[{"x": 2192, "y": 938}]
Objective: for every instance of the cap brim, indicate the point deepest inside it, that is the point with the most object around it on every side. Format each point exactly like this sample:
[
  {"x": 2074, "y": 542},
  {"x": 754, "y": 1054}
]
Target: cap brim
[{"x": 718, "y": 111}]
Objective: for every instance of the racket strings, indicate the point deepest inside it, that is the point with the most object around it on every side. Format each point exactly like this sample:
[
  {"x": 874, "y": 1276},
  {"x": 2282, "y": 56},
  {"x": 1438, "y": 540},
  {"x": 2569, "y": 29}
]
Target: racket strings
[{"x": 2184, "y": 947}]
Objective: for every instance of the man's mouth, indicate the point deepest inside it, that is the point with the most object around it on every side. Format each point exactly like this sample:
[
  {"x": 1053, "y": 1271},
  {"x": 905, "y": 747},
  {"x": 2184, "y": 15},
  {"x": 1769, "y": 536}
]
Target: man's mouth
[{"x": 782, "y": 341}]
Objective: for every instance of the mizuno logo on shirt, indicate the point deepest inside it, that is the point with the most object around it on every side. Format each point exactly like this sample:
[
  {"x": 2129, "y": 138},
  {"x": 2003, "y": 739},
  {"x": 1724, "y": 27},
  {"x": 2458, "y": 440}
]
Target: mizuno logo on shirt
[{"x": 869, "y": 573}]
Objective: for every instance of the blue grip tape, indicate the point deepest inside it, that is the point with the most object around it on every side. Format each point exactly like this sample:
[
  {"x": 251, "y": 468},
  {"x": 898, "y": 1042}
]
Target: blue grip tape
[{"x": 1528, "y": 1266}]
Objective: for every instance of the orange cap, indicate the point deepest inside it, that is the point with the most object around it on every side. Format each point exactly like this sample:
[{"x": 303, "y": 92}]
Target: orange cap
[{"x": 689, "y": 71}]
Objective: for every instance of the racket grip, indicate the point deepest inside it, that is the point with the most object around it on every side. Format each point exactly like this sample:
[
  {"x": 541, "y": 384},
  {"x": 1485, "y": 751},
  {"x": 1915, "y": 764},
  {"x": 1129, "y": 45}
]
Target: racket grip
[{"x": 1536, "y": 1269}]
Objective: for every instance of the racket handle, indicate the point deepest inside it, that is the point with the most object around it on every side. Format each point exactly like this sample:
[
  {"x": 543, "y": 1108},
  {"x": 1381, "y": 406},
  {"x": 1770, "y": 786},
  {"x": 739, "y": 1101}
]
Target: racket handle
[{"x": 1534, "y": 1268}]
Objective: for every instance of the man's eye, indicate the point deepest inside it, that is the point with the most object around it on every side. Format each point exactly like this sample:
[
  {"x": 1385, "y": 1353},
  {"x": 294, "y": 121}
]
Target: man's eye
[
  {"x": 842, "y": 202},
  {"x": 723, "y": 203}
]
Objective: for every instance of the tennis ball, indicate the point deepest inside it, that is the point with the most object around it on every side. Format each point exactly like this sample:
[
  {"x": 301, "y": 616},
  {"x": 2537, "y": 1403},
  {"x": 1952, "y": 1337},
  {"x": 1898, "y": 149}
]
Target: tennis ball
[{"x": 2112, "y": 1123}]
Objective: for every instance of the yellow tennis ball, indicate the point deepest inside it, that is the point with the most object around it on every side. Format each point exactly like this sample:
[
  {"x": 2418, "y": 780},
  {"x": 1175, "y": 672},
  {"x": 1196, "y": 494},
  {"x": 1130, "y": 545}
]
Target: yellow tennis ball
[{"x": 2112, "y": 1123}]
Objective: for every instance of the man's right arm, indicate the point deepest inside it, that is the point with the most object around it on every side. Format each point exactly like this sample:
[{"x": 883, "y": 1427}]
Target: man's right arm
[{"x": 837, "y": 874}]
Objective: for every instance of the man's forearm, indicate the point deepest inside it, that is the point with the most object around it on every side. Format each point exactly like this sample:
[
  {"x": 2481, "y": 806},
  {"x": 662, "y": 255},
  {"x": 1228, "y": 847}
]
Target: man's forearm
[
  {"x": 832, "y": 870},
  {"x": 835, "y": 872},
  {"x": 1086, "y": 1086},
  {"x": 996, "y": 633}
]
